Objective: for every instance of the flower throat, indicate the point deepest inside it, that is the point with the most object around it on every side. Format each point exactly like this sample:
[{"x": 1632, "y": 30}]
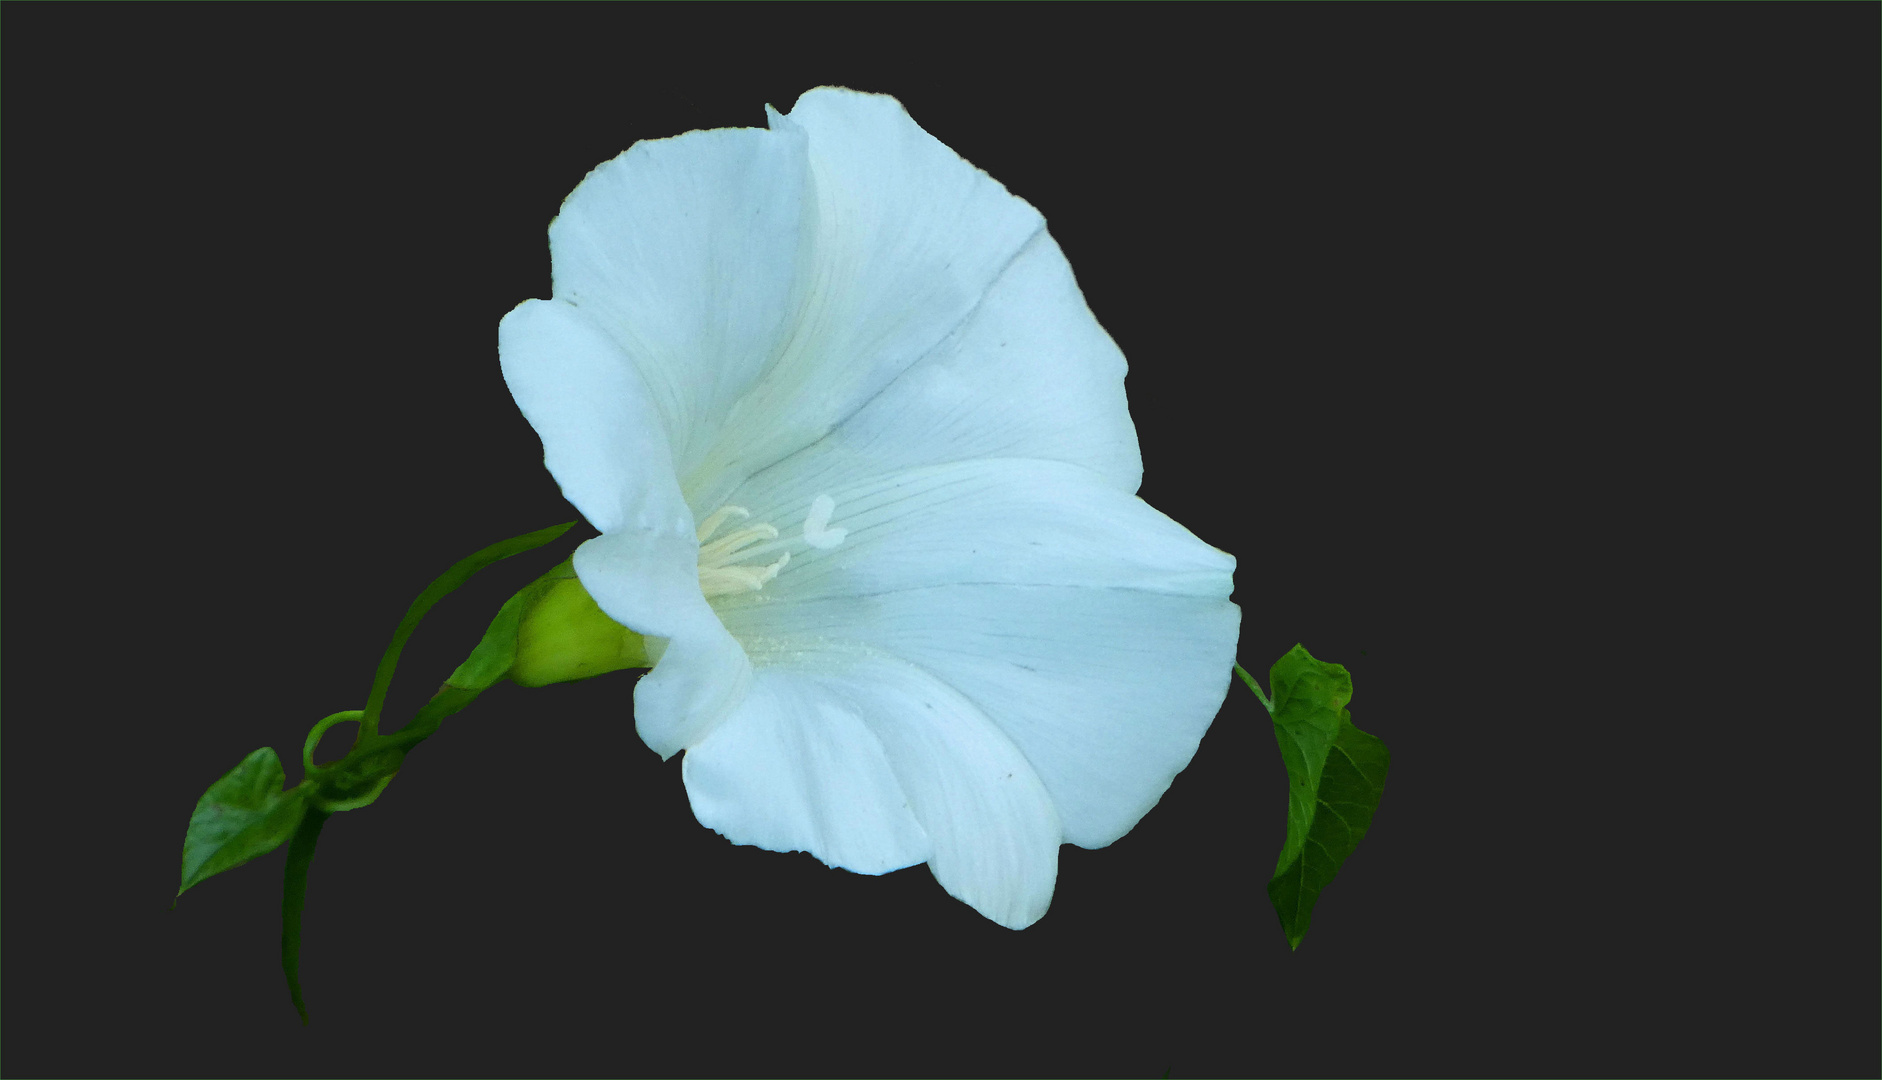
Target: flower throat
[
  {"x": 719, "y": 575},
  {"x": 730, "y": 564}
]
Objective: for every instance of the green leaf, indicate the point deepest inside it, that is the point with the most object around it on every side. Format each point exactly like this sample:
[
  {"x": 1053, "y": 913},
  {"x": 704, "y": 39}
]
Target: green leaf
[
  {"x": 242, "y": 816},
  {"x": 1335, "y": 776}
]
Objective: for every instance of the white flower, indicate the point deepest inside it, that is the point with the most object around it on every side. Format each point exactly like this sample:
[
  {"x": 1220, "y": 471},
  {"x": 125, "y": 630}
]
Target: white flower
[{"x": 864, "y": 474}]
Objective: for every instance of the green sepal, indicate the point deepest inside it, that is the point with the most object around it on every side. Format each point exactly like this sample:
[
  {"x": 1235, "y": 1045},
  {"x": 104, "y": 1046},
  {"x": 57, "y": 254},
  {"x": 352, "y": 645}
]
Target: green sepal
[
  {"x": 446, "y": 583},
  {"x": 242, "y": 816},
  {"x": 551, "y": 631},
  {"x": 1335, "y": 776},
  {"x": 495, "y": 655}
]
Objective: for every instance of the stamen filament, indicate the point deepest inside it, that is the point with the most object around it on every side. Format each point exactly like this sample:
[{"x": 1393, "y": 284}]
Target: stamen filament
[
  {"x": 716, "y": 576},
  {"x": 728, "y": 546},
  {"x": 722, "y": 580}
]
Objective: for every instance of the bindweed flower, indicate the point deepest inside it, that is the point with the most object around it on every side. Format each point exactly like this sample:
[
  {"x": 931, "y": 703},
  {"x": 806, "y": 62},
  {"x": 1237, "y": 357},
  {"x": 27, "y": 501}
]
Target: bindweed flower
[{"x": 865, "y": 479}]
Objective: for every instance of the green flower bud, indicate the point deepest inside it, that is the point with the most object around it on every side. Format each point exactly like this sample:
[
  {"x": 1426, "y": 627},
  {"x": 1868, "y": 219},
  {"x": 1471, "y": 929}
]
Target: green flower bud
[{"x": 565, "y": 636}]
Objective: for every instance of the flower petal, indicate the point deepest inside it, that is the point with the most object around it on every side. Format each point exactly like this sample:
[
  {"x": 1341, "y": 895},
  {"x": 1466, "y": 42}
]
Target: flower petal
[
  {"x": 649, "y": 581},
  {"x": 1096, "y": 633},
  {"x": 691, "y": 254},
  {"x": 1030, "y": 373},
  {"x": 995, "y": 831},
  {"x": 604, "y": 443},
  {"x": 910, "y": 236},
  {"x": 1016, "y": 521},
  {"x": 795, "y": 769},
  {"x": 602, "y": 439},
  {"x": 907, "y": 239},
  {"x": 1107, "y": 692},
  {"x": 802, "y": 766}
]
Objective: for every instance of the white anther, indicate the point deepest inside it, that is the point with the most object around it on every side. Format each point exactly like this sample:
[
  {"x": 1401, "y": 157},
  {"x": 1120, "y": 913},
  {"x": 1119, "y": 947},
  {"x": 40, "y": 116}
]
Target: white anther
[
  {"x": 717, "y": 575},
  {"x": 717, "y": 518},
  {"x": 725, "y": 580}
]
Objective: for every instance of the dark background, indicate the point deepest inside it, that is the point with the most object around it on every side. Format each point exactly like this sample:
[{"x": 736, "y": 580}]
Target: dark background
[{"x": 1524, "y": 356}]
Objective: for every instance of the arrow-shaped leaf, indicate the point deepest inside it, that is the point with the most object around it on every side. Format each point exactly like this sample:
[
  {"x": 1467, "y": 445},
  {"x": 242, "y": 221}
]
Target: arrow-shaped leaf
[
  {"x": 243, "y": 815},
  {"x": 1335, "y": 775}
]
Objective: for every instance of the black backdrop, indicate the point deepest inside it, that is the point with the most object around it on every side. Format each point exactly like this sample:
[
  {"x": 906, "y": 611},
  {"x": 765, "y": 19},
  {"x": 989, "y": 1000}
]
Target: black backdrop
[{"x": 1524, "y": 357}]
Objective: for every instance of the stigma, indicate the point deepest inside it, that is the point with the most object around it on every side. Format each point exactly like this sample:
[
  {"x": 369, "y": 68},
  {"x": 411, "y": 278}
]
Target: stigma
[{"x": 724, "y": 569}]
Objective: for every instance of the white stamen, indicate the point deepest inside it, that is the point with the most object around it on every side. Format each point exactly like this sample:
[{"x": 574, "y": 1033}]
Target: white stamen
[
  {"x": 725, "y": 580},
  {"x": 817, "y": 531},
  {"x": 725, "y": 548},
  {"x": 717, "y": 575},
  {"x": 717, "y": 518}
]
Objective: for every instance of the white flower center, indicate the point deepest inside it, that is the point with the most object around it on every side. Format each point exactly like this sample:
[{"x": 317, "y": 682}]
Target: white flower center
[
  {"x": 718, "y": 576},
  {"x": 730, "y": 564}
]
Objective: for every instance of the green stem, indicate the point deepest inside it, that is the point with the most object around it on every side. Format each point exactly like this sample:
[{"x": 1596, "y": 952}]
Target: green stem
[
  {"x": 294, "y": 899},
  {"x": 436, "y": 591},
  {"x": 1256, "y": 687}
]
